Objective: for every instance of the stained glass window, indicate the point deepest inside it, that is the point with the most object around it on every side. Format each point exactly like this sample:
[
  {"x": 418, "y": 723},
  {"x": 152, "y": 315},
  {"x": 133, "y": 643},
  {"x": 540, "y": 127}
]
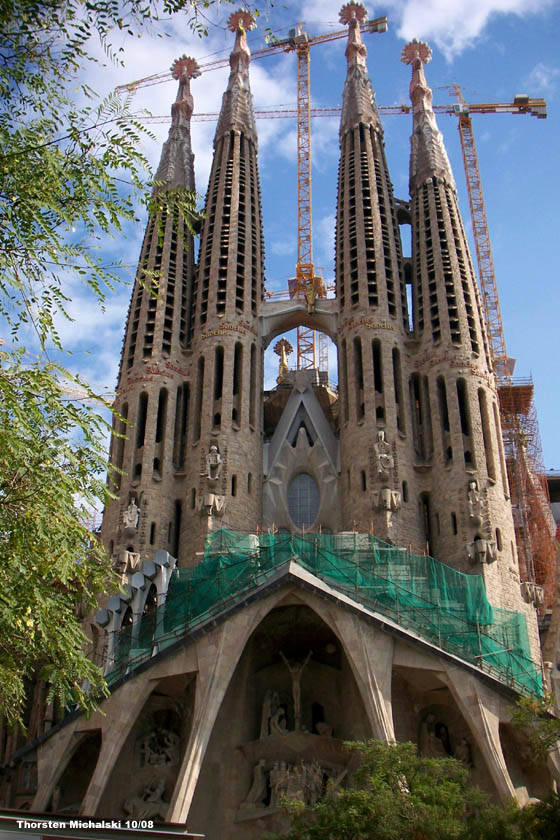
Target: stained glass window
[{"x": 303, "y": 500}]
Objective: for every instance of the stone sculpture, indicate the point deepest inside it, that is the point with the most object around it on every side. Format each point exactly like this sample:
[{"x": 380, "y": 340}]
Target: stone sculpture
[
  {"x": 463, "y": 752},
  {"x": 257, "y": 791},
  {"x": 131, "y": 515},
  {"x": 386, "y": 500},
  {"x": 213, "y": 464},
  {"x": 211, "y": 504},
  {"x": 474, "y": 503},
  {"x": 383, "y": 454},
  {"x": 269, "y": 709},
  {"x": 296, "y": 670},
  {"x": 434, "y": 738},
  {"x": 278, "y": 725},
  {"x": 159, "y": 747},
  {"x": 481, "y": 551},
  {"x": 148, "y": 806}
]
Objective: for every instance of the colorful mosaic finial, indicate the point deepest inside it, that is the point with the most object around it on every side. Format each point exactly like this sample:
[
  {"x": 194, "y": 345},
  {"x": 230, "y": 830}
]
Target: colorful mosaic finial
[
  {"x": 353, "y": 11},
  {"x": 241, "y": 20},
  {"x": 416, "y": 50},
  {"x": 185, "y": 68}
]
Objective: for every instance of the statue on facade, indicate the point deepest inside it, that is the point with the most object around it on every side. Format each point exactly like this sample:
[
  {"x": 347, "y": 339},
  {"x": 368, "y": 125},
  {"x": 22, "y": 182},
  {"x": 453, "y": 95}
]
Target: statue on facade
[
  {"x": 463, "y": 752},
  {"x": 131, "y": 561},
  {"x": 383, "y": 454},
  {"x": 257, "y": 791},
  {"x": 211, "y": 504},
  {"x": 159, "y": 747},
  {"x": 474, "y": 503},
  {"x": 269, "y": 709},
  {"x": 278, "y": 778},
  {"x": 296, "y": 670},
  {"x": 434, "y": 738},
  {"x": 481, "y": 551},
  {"x": 310, "y": 297},
  {"x": 213, "y": 464},
  {"x": 149, "y": 805},
  {"x": 131, "y": 515},
  {"x": 386, "y": 500},
  {"x": 278, "y": 723}
]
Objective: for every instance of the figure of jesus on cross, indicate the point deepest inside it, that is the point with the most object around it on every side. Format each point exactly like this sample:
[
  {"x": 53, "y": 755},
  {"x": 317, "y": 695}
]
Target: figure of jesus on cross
[{"x": 296, "y": 670}]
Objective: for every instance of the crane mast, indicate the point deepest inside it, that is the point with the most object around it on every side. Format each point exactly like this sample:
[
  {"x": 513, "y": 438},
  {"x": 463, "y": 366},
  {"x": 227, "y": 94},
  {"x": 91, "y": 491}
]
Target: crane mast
[
  {"x": 312, "y": 350},
  {"x": 312, "y": 347}
]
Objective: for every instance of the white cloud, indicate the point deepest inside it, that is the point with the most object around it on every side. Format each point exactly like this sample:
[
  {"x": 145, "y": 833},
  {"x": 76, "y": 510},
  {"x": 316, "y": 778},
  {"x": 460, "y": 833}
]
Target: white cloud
[
  {"x": 450, "y": 24},
  {"x": 543, "y": 78}
]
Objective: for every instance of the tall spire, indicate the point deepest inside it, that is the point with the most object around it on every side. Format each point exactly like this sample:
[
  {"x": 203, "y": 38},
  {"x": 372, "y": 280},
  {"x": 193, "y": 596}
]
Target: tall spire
[
  {"x": 237, "y": 102},
  {"x": 176, "y": 167},
  {"x": 427, "y": 156},
  {"x": 358, "y": 101}
]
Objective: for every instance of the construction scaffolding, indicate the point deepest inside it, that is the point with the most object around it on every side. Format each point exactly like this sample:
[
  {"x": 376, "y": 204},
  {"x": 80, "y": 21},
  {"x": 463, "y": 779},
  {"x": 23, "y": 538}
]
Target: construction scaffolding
[
  {"x": 534, "y": 523},
  {"x": 444, "y": 607}
]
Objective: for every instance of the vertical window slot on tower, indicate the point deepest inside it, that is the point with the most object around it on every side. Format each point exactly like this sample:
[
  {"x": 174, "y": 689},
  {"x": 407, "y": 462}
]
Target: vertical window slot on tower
[
  {"x": 141, "y": 420},
  {"x": 119, "y": 442},
  {"x": 237, "y": 384},
  {"x": 427, "y": 410},
  {"x": 378, "y": 381},
  {"x": 487, "y": 435},
  {"x": 198, "y": 405},
  {"x": 464, "y": 415},
  {"x": 444, "y": 420},
  {"x": 359, "y": 379},
  {"x": 420, "y": 410},
  {"x": 218, "y": 387},
  {"x": 344, "y": 379},
  {"x": 180, "y": 430},
  {"x": 160, "y": 434},
  {"x": 252, "y": 386},
  {"x": 425, "y": 516},
  {"x": 140, "y": 434},
  {"x": 397, "y": 384},
  {"x": 177, "y": 515}
]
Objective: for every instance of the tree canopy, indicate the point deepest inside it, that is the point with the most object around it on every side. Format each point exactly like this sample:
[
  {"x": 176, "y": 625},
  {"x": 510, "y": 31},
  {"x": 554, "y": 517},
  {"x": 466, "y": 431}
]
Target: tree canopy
[
  {"x": 396, "y": 794},
  {"x": 72, "y": 172}
]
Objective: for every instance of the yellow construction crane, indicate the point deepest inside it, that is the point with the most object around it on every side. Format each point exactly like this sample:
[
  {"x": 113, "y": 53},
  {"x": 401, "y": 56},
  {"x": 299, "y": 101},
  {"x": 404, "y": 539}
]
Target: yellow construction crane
[
  {"x": 521, "y": 104},
  {"x": 534, "y": 525},
  {"x": 312, "y": 347}
]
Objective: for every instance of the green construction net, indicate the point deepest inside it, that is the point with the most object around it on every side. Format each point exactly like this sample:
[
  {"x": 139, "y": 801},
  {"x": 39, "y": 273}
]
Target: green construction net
[{"x": 447, "y": 608}]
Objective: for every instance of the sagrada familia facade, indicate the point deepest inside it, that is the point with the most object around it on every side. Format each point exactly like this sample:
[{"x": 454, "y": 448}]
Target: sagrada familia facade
[{"x": 304, "y": 565}]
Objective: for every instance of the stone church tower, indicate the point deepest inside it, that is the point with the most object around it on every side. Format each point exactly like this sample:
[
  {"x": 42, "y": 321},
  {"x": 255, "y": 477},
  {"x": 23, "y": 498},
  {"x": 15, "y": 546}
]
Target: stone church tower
[{"x": 278, "y": 594}]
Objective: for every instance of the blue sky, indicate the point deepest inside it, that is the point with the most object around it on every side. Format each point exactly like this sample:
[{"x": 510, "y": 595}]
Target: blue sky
[{"x": 495, "y": 50}]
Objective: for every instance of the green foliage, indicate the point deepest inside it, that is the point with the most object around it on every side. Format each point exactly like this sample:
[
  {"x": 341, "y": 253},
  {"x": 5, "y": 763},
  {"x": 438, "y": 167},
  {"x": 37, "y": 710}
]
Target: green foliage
[
  {"x": 71, "y": 173},
  {"x": 541, "y": 727},
  {"x": 51, "y": 455},
  {"x": 542, "y": 819},
  {"x": 395, "y": 794}
]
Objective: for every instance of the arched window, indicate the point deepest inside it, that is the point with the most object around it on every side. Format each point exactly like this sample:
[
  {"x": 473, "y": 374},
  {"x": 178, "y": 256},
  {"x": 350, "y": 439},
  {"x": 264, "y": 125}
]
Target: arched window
[{"x": 303, "y": 500}]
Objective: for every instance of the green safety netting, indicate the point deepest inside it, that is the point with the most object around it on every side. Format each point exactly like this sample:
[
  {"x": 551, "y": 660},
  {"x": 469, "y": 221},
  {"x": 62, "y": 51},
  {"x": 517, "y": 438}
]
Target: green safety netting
[{"x": 446, "y": 607}]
